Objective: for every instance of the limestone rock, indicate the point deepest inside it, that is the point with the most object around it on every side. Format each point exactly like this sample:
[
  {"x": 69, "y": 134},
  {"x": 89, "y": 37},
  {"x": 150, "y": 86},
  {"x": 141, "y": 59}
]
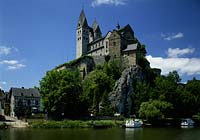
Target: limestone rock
[{"x": 120, "y": 97}]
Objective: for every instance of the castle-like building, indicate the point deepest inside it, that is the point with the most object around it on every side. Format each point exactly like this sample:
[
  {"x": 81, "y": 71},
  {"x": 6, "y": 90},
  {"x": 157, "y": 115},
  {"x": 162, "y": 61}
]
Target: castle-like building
[{"x": 117, "y": 43}]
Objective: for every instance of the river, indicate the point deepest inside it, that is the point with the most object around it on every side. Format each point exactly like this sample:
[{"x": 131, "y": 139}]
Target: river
[{"x": 102, "y": 134}]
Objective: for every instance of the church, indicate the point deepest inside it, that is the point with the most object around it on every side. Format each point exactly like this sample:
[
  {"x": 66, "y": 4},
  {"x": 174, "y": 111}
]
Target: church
[{"x": 119, "y": 42}]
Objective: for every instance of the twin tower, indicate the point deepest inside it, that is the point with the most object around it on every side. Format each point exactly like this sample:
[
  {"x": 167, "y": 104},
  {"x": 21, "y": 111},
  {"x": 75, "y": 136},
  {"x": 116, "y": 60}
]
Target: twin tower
[
  {"x": 120, "y": 42},
  {"x": 85, "y": 35}
]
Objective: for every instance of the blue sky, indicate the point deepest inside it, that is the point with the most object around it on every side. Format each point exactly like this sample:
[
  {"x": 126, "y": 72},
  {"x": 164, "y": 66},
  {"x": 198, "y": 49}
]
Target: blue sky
[{"x": 37, "y": 35}]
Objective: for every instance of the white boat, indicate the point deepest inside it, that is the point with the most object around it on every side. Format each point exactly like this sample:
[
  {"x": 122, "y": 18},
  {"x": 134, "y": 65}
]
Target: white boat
[
  {"x": 187, "y": 122},
  {"x": 136, "y": 123}
]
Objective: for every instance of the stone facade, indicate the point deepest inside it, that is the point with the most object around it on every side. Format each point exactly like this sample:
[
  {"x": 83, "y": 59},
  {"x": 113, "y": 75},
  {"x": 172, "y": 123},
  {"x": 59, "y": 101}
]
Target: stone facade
[
  {"x": 29, "y": 98},
  {"x": 84, "y": 64},
  {"x": 89, "y": 41}
]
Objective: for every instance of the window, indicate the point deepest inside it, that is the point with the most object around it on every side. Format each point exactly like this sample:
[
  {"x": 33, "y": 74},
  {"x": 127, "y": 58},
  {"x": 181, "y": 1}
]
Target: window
[
  {"x": 106, "y": 44},
  {"x": 33, "y": 102},
  {"x": 114, "y": 43},
  {"x": 29, "y": 102},
  {"x": 36, "y": 102},
  {"x": 24, "y": 102}
]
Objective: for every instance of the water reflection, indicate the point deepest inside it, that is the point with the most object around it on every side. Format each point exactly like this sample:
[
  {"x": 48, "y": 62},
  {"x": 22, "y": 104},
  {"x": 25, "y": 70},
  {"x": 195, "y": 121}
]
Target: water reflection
[
  {"x": 102, "y": 134},
  {"x": 133, "y": 133},
  {"x": 187, "y": 126}
]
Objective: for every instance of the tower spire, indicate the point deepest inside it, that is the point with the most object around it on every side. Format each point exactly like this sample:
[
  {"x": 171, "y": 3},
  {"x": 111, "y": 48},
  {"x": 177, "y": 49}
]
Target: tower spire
[{"x": 82, "y": 5}]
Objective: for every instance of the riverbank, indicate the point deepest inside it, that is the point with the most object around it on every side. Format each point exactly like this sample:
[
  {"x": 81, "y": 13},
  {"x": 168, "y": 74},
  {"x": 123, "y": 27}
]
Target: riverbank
[{"x": 74, "y": 124}]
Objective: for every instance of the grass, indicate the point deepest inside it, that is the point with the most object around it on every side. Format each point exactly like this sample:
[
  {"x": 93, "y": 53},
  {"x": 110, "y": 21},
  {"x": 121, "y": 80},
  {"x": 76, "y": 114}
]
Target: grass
[
  {"x": 73, "y": 123},
  {"x": 3, "y": 126}
]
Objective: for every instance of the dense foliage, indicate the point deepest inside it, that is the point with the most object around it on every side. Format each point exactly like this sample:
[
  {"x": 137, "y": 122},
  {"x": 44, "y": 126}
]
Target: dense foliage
[
  {"x": 167, "y": 98},
  {"x": 61, "y": 92},
  {"x": 66, "y": 94}
]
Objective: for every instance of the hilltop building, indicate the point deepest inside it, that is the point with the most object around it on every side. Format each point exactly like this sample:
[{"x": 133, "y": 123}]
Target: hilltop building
[
  {"x": 117, "y": 43},
  {"x": 92, "y": 47}
]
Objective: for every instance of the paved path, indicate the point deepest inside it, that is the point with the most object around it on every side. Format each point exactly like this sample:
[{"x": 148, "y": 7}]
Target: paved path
[{"x": 13, "y": 122}]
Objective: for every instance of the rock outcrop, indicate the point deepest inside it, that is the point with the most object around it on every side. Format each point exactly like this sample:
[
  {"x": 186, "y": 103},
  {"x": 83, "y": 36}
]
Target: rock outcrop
[{"x": 120, "y": 97}]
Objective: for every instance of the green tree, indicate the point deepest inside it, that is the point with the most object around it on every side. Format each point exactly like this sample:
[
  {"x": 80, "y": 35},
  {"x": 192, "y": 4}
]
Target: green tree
[
  {"x": 141, "y": 93},
  {"x": 95, "y": 85},
  {"x": 166, "y": 90},
  {"x": 191, "y": 98},
  {"x": 112, "y": 69},
  {"x": 106, "y": 108},
  {"x": 61, "y": 92},
  {"x": 154, "y": 109}
]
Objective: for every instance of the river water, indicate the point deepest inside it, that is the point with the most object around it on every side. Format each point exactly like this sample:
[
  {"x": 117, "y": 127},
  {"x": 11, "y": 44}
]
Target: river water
[{"x": 102, "y": 134}]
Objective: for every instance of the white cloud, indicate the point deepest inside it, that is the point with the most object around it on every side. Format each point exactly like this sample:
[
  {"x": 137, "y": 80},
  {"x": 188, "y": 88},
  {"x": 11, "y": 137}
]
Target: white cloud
[
  {"x": 12, "y": 64},
  {"x": 17, "y": 66},
  {"x": 3, "y": 83},
  {"x": 172, "y": 36},
  {"x": 4, "y": 50},
  {"x": 9, "y": 62},
  {"x": 108, "y": 2},
  {"x": 187, "y": 66},
  {"x": 177, "y": 52}
]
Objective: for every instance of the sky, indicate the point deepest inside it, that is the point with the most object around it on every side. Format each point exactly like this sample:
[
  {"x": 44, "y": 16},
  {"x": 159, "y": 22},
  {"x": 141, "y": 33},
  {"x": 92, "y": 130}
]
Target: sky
[{"x": 38, "y": 35}]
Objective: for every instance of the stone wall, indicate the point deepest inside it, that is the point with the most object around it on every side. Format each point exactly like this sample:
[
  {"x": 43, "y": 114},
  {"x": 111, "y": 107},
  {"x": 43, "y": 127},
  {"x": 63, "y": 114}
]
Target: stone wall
[
  {"x": 99, "y": 60},
  {"x": 115, "y": 44}
]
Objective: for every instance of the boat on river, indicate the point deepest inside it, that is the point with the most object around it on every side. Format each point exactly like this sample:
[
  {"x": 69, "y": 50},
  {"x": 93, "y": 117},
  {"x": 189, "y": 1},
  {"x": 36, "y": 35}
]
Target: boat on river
[
  {"x": 133, "y": 123},
  {"x": 187, "y": 122}
]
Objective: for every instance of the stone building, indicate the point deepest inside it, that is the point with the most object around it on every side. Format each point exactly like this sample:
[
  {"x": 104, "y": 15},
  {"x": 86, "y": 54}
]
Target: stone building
[
  {"x": 25, "y": 97},
  {"x": 117, "y": 43}
]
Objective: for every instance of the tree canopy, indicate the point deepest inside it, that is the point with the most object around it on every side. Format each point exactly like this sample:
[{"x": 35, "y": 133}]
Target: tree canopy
[
  {"x": 61, "y": 92},
  {"x": 96, "y": 86}
]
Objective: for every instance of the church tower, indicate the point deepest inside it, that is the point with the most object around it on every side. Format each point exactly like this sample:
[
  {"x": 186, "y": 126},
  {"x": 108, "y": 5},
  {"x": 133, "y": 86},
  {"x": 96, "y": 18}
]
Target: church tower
[
  {"x": 96, "y": 30},
  {"x": 82, "y": 35}
]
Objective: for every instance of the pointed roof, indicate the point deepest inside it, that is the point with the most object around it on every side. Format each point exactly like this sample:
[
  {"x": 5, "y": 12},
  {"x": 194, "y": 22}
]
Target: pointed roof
[
  {"x": 82, "y": 19},
  {"x": 95, "y": 25},
  {"x": 124, "y": 29}
]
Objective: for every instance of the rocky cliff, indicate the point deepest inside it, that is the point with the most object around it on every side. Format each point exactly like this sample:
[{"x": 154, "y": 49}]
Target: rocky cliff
[{"x": 120, "y": 97}]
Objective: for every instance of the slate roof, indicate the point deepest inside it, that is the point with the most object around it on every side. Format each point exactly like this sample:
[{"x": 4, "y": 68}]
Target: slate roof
[
  {"x": 82, "y": 19},
  {"x": 124, "y": 29},
  {"x": 131, "y": 47},
  {"x": 95, "y": 25},
  {"x": 31, "y": 92}
]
